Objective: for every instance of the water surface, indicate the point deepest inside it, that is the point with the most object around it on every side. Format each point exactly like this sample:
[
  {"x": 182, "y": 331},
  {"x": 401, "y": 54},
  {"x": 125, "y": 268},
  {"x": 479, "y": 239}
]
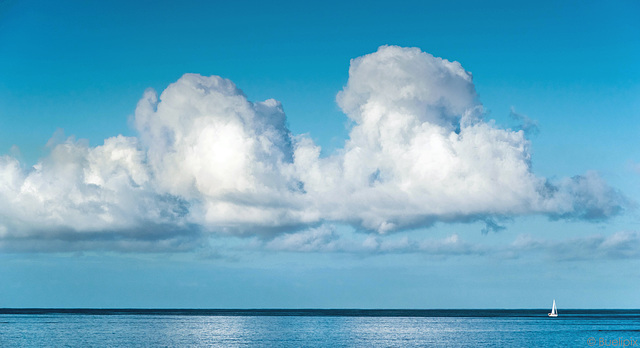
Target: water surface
[{"x": 316, "y": 328}]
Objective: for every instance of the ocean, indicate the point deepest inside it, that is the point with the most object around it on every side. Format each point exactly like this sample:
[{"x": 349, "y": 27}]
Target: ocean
[{"x": 317, "y": 328}]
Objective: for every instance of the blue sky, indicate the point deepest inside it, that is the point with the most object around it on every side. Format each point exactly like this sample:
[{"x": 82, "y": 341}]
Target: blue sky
[{"x": 82, "y": 227}]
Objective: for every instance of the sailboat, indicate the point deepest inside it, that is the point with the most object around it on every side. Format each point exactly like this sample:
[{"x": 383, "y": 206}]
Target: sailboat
[{"x": 554, "y": 310}]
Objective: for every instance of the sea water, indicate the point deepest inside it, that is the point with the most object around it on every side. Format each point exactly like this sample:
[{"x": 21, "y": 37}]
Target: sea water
[{"x": 317, "y": 328}]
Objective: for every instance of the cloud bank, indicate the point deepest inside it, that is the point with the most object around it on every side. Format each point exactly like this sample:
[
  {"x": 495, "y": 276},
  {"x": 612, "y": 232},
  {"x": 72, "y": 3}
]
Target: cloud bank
[
  {"x": 207, "y": 161},
  {"x": 324, "y": 239}
]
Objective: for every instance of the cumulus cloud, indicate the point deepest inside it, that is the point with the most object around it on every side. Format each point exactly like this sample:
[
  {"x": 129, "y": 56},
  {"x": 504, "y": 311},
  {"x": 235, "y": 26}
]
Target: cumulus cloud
[
  {"x": 420, "y": 152},
  {"x": 231, "y": 158},
  {"x": 80, "y": 194},
  {"x": 208, "y": 160}
]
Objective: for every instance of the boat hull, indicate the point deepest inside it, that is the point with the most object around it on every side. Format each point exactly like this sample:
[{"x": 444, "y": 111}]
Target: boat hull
[{"x": 552, "y": 315}]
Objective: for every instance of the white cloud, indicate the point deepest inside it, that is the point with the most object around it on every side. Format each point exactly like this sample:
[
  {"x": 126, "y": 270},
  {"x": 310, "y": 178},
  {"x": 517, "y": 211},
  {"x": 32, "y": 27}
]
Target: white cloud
[
  {"x": 231, "y": 158},
  {"x": 209, "y": 160},
  {"x": 419, "y": 152},
  {"x": 80, "y": 195}
]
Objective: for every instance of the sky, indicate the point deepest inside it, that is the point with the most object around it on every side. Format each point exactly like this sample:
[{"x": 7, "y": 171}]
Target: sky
[{"x": 319, "y": 154}]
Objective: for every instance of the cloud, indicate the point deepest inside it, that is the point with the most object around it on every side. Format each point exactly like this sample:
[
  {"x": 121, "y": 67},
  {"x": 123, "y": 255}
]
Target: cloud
[
  {"x": 320, "y": 239},
  {"x": 146, "y": 238},
  {"x": 231, "y": 158},
  {"x": 583, "y": 197},
  {"x": 325, "y": 239},
  {"x": 80, "y": 195},
  {"x": 419, "y": 153},
  {"x": 526, "y": 124},
  {"x": 620, "y": 245},
  {"x": 207, "y": 160}
]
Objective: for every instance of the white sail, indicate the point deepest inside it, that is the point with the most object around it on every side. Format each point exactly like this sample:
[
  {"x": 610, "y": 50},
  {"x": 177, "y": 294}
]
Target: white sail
[{"x": 554, "y": 310}]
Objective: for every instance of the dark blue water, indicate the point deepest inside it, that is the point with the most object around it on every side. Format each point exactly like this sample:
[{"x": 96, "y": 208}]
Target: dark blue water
[{"x": 317, "y": 328}]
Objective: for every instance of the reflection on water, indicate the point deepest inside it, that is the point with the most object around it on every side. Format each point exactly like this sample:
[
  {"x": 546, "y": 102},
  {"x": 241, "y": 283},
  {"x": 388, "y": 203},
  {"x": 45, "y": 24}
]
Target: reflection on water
[{"x": 140, "y": 330}]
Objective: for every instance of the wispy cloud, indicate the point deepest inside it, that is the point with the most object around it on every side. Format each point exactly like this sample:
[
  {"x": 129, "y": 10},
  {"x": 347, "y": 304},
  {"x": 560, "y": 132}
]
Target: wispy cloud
[
  {"x": 620, "y": 245},
  {"x": 325, "y": 239},
  {"x": 526, "y": 124},
  {"x": 207, "y": 160}
]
